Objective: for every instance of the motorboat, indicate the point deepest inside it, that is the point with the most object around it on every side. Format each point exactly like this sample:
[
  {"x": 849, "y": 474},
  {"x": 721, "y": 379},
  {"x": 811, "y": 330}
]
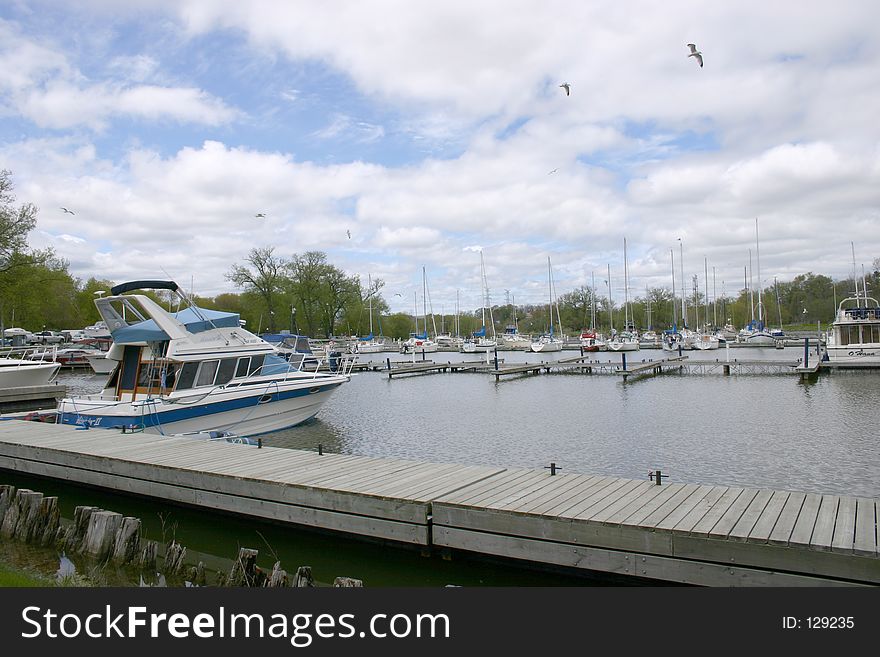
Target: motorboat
[
  {"x": 592, "y": 341},
  {"x": 854, "y": 338},
  {"x": 418, "y": 343},
  {"x": 19, "y": 370},
  {"x": 196, "y": 370}
]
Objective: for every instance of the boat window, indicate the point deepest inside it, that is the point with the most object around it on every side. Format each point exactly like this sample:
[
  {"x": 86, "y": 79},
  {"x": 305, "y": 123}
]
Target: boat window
[
  {"x": 256, "y": 363},
  {"x": 226, "y": 371},
  {"x": 242, "y": 369},
  {"x": 187, "y": 376},
  {"x": 206, "y": 373}
]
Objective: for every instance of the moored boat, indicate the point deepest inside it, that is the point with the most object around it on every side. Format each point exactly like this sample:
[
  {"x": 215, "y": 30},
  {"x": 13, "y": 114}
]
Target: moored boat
[
  {"x": 195, "y": 370},
  {"x": 854, "y": 338}
]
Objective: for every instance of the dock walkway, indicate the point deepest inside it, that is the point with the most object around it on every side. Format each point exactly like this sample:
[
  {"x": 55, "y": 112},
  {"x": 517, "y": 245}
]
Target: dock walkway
[{"x": 689, "y": 533}]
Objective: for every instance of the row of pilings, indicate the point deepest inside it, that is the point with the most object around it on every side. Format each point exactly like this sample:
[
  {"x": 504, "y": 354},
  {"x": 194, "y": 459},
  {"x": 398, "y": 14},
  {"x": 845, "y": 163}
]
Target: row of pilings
[{"x": 109, "y": 537}]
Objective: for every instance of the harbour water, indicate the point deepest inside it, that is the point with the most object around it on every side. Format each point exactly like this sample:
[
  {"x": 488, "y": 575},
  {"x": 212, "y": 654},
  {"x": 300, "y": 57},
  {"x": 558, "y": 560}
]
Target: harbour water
[{"x": 769, "y": 431}]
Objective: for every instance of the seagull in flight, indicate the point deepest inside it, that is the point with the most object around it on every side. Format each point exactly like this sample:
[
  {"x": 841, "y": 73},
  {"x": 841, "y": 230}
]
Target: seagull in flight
[
  {"x": 68, "y": 211},
  {"x": 554, "y": 171},
  {"x": 567, "y": 87},
  {"x": 398, "y": 294},
  {"x": 348, "y": 232},
  {"x": 259, "y": 214},
  {"x": 696, "y": 53}
]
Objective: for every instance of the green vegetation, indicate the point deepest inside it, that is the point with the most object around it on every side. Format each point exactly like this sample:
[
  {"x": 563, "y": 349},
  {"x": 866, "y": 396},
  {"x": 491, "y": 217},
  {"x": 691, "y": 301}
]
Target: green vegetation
[
  {"x": 10, "y": 576},
  {"x": 306, "y": 294}
]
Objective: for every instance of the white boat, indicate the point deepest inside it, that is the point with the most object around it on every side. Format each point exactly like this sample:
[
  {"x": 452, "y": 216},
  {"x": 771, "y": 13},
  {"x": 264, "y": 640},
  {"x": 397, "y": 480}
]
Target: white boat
[
  {"x": 628, "y": 339},
  {"x": 545, "y": 343},
  {"x": 854, "y": 338},
  {"x": 100, "y": 364},
  {"x": 18, "y": 369},
  {"x": 514, "y": 340},
  {"x": 592, "y": 341},
  {"x": 548, "y": 341},
  {"x": 623, "y": 341},
  {"x": 672, "y": 341},
  {"x": 369, "y": 344},
  {"x": 705, "y": 341},
  {"x": 479, "y": 340},
  {"x": 195, "y": 370},
  {"x": 756, "y": 333}
]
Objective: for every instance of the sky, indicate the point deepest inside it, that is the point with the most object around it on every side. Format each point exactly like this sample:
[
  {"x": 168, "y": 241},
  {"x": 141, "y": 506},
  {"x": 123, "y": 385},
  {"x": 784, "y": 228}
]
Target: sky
[{"x": 404, "y": 137}]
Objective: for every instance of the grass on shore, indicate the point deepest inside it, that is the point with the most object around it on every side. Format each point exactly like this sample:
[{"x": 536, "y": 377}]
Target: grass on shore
[{"x": 10, "y": 576}]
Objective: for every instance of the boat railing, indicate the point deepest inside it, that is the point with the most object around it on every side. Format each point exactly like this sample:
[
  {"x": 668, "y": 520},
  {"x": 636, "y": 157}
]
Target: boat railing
[{"x": 26, "y": 355}]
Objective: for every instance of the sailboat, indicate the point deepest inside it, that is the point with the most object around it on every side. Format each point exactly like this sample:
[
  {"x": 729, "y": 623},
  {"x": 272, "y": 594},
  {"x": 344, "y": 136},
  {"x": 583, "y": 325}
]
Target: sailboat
[
  {"x": 369, "y": 344},
  {"x": 590, "y": 340},
  {"x": 512, "y": 338},
  {"x": 420, "y": 343},
  {"x": 628, "y": 339},
  {"x": 756, "y": 334},
  {"x": 672, "y": 338},
  {"x": 549, "y": 342},
  {"x": 705, "y": 339},
  {"x": 479, "y": 340}
]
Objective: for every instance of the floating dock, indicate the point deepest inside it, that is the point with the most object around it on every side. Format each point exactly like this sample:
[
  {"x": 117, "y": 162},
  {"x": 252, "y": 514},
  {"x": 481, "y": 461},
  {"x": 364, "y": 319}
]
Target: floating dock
[
  {"x": 685, "y": 533},
  {"x": 31, "y": 398}
]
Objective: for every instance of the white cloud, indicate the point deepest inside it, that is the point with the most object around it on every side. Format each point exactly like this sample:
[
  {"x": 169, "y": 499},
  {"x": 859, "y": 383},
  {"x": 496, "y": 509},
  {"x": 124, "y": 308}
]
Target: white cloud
[{"x": 38, "y": 82}]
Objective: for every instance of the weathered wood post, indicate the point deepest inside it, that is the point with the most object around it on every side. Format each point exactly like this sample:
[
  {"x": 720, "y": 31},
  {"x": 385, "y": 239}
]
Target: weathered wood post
[
  {"x": 347, "y": 582},
  {"x": 303, "y": 577},
  {"x": 806, "y": 353}
]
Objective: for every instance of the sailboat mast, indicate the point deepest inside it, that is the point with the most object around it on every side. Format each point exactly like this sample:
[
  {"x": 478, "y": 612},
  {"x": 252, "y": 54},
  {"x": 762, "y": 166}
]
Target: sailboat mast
[
  {"x": 706, "y": 288},
  {"x": 714, "y": 299},
  {"x": 684, "y": 315},
  {"x": 627, "y": 320},
  {"x": 760, "y": 290},
  {"x": 610, "y": 303},
  {"x": 370, "y": 301},
  {"x": 550, "y": 294},
  {"x": 674, "y": 304},
  {"x": 593, "y": 301}
]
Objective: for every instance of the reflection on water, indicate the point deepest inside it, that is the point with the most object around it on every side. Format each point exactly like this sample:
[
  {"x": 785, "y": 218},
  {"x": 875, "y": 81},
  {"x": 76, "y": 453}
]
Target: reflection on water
[{"x": 749, "y": 430}]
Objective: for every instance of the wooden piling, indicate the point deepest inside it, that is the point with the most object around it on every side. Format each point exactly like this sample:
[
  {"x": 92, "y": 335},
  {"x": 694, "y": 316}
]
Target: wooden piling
[
  {"x": 174, "y": 556},
  {"x": 347, "y": 582},
  {"x": 101, "y": 533},
  {"x": 303, "y": 577}
]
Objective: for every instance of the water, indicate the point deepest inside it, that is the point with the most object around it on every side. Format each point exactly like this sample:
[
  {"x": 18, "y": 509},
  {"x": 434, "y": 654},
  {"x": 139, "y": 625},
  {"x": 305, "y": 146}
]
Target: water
[{"x": 767, "y": 431}]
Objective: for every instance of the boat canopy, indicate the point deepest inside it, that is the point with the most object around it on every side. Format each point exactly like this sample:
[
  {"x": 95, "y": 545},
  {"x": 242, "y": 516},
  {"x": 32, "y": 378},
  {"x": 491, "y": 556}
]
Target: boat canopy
[
  {"x": 481, "y": 333},
  {"x": 367, "y": 338},
  {"x": 195, "y": 321}
]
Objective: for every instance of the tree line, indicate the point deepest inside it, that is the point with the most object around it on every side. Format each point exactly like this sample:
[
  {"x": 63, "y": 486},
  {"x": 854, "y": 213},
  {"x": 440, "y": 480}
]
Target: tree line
[{"x": 307, "y": 294}]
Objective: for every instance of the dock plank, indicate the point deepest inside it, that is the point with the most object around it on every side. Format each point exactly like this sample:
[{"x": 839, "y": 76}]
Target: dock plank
[
  {"x": 760, "y": 533},
  {"x": 802, "y": 532},
  {"x": 845, "y": 525},
  {"x": 747, "y": 520},
  {"x": 711, "y": 517},
  {"x": 823, "y": 530},
  {"x": 781, "y": 533},
  {"x": 866, "y": 528}
]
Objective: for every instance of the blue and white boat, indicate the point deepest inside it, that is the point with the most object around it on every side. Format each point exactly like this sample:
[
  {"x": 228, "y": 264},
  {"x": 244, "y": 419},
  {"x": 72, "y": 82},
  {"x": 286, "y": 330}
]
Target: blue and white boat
[{"x": 196, "y": 370}]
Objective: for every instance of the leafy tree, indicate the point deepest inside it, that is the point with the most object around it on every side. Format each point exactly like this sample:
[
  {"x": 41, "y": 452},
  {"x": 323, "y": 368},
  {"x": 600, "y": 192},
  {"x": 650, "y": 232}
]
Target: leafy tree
[
  {"x": 15, "y": 224},
  {"x": 266, "y": 278}
]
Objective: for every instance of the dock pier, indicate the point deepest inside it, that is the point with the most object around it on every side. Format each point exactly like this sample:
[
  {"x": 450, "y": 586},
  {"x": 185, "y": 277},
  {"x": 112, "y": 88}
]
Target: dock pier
[{"x": 684, "y": 533}]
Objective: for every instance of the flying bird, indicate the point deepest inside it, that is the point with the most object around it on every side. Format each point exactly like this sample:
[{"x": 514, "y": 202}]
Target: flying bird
[
  {"x": 348, "y": 232},
  {"x": 567, "y": 87},
  {"x": 696, "y": 53},
  {"x": 554, "y": 171},
  {"x": 68, "y": 211},
  {"x": 259, "y": 214},
  {"x": 398, "y": 294}
]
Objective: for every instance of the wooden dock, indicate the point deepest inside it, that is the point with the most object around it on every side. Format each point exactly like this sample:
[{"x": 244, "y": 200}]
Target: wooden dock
[
  {"x": 687, "y": 533},
  {"x": 30, "y": 398}
]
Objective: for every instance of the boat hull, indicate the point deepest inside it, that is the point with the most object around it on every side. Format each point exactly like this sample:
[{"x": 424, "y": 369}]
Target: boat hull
[
  {"x": 17, "y": 374},
  {"x": 544, "y": 347},
  {"x": 101, "y": 364},
  {"x": 854, "y": 355},
  {"x": 274, "y": 406}
]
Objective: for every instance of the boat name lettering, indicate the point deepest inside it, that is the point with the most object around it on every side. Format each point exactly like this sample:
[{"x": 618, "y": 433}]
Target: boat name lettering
[{"x": 88, "y": 421}]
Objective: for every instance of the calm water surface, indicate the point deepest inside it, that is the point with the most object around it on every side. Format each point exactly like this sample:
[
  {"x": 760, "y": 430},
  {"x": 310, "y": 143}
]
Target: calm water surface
[{"x": 747, "y": 430}]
